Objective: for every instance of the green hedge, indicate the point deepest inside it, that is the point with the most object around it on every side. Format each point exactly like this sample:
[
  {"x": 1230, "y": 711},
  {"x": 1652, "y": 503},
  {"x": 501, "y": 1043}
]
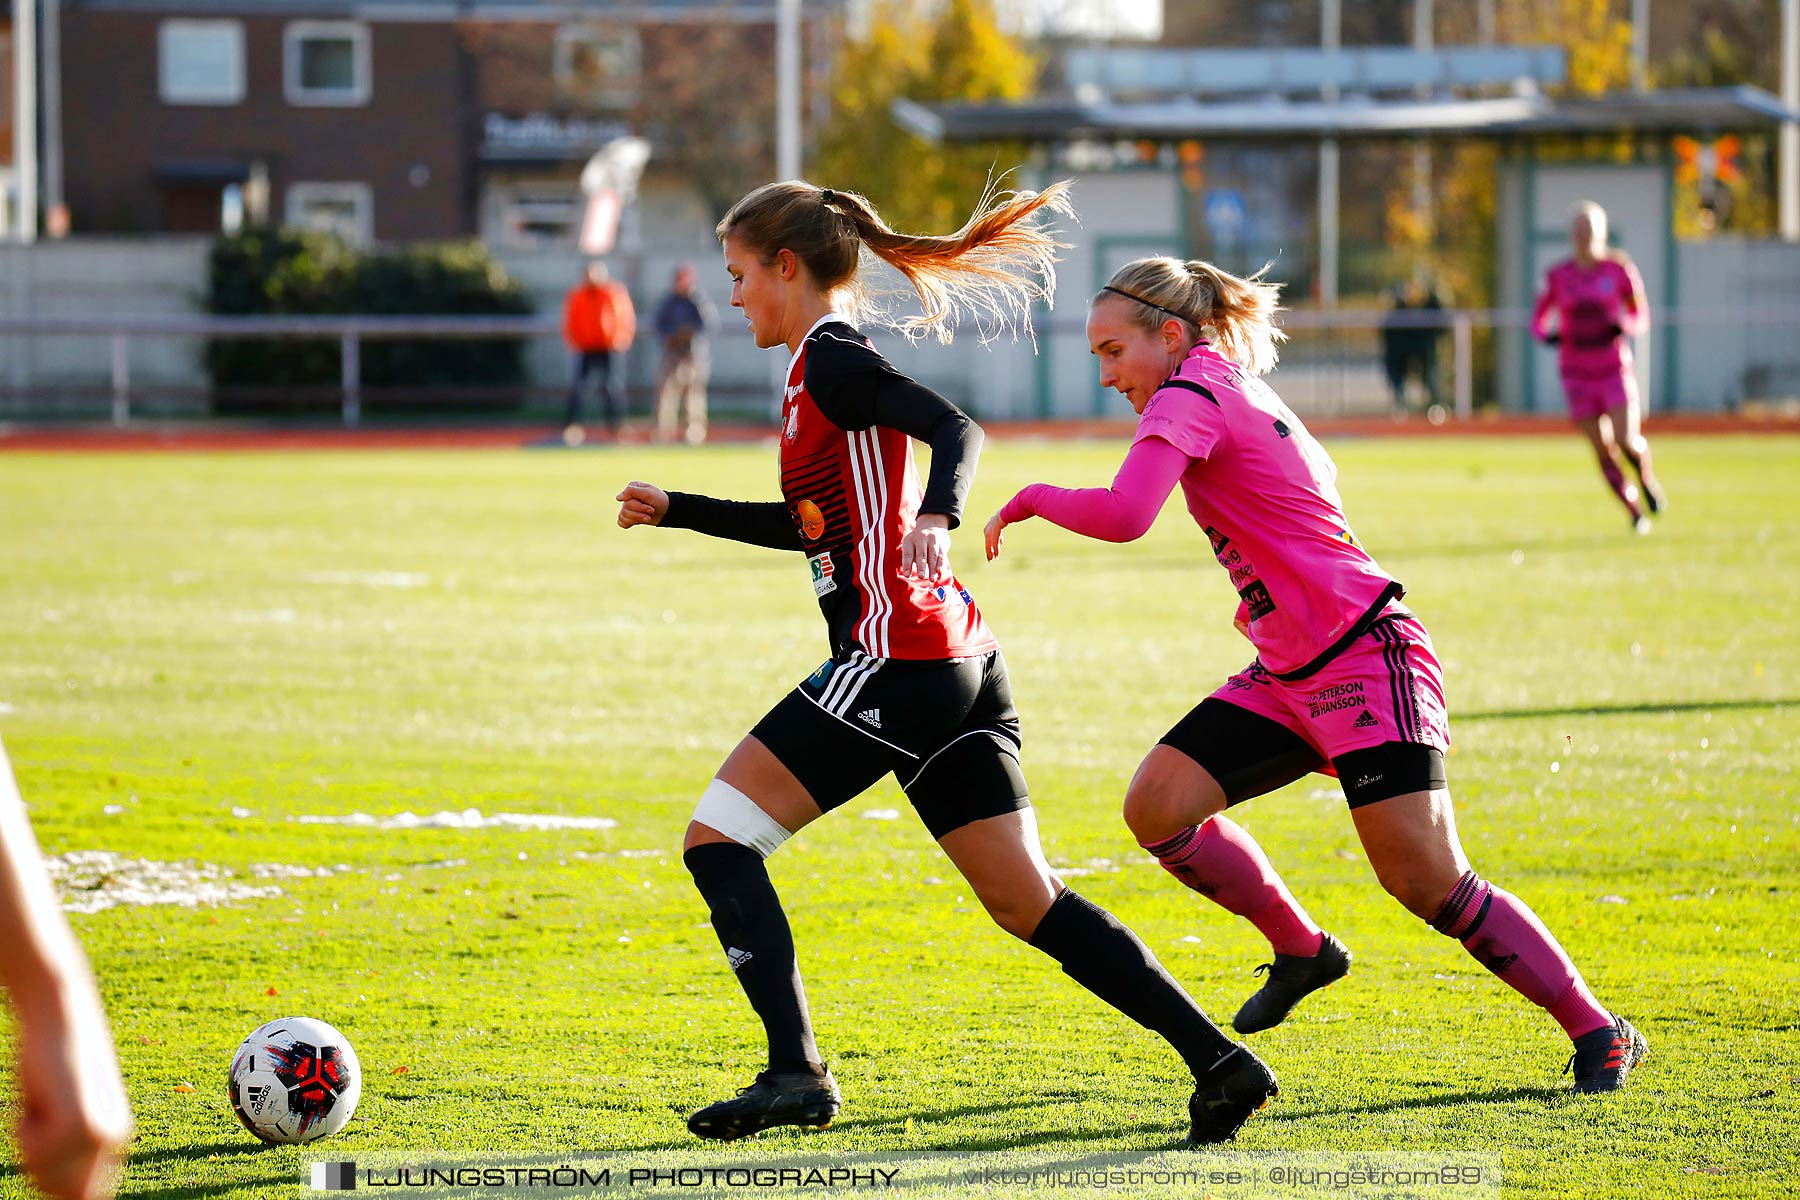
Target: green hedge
[{"x": 289, "y": 272}]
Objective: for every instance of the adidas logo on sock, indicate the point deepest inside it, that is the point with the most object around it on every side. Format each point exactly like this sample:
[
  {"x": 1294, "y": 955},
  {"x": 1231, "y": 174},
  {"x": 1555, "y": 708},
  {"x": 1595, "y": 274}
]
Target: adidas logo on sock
[
  {"x": 870, "y": 717},
  {"x": 737, "y": 958},
  {"x": 1366, "y": 721}
]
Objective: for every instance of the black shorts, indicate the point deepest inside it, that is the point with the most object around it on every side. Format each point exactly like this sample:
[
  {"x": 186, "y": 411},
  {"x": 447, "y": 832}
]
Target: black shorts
[
  {"x": 946, "y": 729},
  {"x": 1250, "y": 755}
]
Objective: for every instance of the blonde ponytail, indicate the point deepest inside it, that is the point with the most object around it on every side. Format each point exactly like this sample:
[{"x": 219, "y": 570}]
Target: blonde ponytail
[
  {"x": 1236, "y": 313},
  {"x": 992, "y": 269}
]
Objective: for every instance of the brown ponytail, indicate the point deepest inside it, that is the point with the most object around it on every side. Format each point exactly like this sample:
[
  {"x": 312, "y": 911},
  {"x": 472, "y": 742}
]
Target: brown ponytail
[
  {"x": 992, "y": 269},
  {"x": 1237, "y": 312}
]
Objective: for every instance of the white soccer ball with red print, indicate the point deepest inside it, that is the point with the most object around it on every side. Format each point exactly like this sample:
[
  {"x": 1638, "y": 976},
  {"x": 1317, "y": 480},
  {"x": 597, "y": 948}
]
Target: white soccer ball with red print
[{"x": 295, "y": 1080}]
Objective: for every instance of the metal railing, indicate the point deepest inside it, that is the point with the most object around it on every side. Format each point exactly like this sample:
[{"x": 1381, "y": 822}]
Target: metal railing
[
  {"x": 349, "y": 331},
  {"x": 1335, "y": 329}
]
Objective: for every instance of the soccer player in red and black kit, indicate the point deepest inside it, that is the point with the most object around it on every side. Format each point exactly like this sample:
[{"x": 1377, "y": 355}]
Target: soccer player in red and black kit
[{"x": 915, "y": 685}]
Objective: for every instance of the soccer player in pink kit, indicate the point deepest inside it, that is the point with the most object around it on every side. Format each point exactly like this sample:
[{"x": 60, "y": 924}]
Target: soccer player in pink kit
[
  {"x": 1599, "y": 303},
  {"x": 1344, "y": 681}
]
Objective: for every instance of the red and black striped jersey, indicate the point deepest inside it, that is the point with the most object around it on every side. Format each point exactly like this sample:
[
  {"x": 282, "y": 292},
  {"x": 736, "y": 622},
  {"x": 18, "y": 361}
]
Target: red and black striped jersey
[{"x": 848, "y": 419}]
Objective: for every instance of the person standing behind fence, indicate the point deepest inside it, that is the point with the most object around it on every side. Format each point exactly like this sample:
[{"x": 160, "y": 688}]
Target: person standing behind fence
[
  {"x": 598, "y": 323},
  {"x": 683, "y": 319},
  {"x": 1599, "y": 301},
  {"x": 1404, "y": 343}
]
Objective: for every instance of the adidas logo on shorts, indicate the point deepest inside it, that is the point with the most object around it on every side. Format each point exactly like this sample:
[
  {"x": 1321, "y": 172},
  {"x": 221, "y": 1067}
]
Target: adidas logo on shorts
[
  {"x": 1366, "y": 721},
  {"x": 737, "y": 958},
  {"x": 870, "y": 717}
]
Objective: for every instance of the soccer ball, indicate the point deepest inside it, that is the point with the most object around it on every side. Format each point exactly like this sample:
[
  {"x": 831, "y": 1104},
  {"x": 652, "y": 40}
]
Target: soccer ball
[{"x": 295, "y": 1080}]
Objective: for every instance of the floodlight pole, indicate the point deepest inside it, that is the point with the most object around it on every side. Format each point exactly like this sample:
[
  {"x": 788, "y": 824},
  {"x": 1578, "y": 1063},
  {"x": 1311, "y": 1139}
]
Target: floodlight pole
[
  {"x": 1421, "y": 149},
  {"x": 1789, "y": 168},
  {"x": 25, "y": 213},
  {"x": 787, "y": 84},
  {"x": 1331, "y": 36},
  {"x": 1640, "y": 45}
]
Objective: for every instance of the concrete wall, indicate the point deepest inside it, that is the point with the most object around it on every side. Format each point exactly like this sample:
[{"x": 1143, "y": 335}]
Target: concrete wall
[
  {"x": 84, "y": 277},
  {"x": 1723, "y": 362}
]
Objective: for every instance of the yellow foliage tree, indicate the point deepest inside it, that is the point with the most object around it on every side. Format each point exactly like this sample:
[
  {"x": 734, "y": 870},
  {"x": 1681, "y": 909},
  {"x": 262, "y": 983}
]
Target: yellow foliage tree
[{"x": 955, "y": 50}]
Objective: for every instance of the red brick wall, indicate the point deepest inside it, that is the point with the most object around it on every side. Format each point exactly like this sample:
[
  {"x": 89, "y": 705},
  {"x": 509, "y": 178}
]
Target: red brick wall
[{"x": 117, "y": 129}]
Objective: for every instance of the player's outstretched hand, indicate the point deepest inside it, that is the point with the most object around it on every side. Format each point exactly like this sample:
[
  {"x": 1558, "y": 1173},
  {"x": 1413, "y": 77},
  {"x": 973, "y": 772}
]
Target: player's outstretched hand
[
  {"x": 642, "y": 504},
  {"x": 925, "y": 553},
  {"x": 75, "y": 1116},
  {"x": 995, "y": 535}
]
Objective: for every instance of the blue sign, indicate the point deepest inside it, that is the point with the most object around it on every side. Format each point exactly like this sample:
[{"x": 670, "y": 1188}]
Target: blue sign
[{"x": 1225, "y": 214}]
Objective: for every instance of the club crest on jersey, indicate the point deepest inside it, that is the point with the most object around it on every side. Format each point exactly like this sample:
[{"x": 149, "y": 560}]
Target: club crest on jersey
[
  {"x": 822, "y": 571},
  {"x": 791, "y": 429},
  {"x": 812, "y": 521}
]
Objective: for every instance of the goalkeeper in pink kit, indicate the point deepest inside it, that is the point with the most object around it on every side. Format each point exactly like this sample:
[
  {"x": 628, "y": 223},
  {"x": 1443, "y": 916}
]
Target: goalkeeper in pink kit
[
  {"x": 1344, "y": 681},
  {"x": 1599, "y": 304}
]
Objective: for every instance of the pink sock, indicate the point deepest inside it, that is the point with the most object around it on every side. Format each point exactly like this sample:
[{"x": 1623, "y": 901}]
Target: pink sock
[
  {"x": 1622, "y": 488},
  {"x": 1224, "y": 864},
  {"x": 1506, "y": 937}
]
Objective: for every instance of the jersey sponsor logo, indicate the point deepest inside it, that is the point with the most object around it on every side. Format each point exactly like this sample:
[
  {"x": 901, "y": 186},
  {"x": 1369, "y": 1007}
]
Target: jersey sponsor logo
[
  {"x": 822, "y": 574},
  {"x": 1365, "y": 721},
  {"x": 812, "y": 521},
  {"x": 1368, "y": 780},
  {"x": 1257, "y": 599},
  {"x": 1336, "y": 699},
  {"x": 818, "y": 677},
  {"x": 870, "y": 717},
  {"x": 1281, "y": 429},
  {"x": 1219, "y": 541}
]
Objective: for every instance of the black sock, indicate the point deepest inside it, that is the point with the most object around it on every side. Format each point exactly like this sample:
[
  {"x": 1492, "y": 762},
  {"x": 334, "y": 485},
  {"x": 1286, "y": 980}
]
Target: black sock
[
  {"x": 753, "y": 930},
  {"x": 1108, "y": 960}
]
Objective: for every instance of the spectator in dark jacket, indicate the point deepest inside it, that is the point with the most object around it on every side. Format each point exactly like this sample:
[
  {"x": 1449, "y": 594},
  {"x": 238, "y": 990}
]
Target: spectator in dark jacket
[{"x": 683, "y": 319}]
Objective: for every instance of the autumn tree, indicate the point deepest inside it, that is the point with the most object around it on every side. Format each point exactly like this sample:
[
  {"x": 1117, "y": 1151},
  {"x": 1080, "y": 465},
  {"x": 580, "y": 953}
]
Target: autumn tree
[{"x": 954, "y": 50}]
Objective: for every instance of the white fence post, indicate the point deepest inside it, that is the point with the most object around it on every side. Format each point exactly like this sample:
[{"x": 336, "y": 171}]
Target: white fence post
[
  {"x": 352, "y": 378},
  {"x": 121, "y": 379},
  {"x": 1463, "y": 358}
]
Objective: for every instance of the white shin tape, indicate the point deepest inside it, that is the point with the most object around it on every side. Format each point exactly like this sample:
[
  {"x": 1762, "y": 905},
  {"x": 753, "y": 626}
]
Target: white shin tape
[{"x": 737, "y": 816}]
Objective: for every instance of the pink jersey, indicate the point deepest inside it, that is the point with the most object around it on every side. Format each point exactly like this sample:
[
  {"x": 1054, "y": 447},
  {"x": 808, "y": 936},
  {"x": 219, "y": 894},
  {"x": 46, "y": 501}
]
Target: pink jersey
[
  {"x": 1266, "y": 495},
  {"x": 1597, "y": 309}
]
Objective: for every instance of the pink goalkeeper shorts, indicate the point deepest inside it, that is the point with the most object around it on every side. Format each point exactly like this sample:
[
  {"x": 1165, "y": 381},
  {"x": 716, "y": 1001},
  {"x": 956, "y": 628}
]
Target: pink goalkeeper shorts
[{"x": 1386, "y": 686}]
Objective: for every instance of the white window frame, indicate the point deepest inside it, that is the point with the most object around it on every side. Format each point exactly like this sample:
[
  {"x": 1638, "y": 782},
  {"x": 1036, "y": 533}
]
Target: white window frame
[
  {"x": 232, "y": 92},
  {"x": 503, "y": 200},
  {"x": 298, "y": 95},
  {"x": 361, "y": 195}
]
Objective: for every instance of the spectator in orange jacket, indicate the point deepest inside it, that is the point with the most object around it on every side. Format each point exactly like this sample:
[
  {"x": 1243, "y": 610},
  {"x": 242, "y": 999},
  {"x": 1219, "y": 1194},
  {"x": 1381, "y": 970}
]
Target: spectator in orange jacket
[{"x": 598, "y": 322}]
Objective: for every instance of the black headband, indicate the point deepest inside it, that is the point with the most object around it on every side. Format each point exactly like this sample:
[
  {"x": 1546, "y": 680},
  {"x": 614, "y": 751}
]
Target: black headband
[{"x": 1151, "y": 304}]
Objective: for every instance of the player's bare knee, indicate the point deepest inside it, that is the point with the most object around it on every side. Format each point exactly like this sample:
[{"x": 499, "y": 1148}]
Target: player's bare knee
[
  {"x": 1149, "y": 804},
  {"x": 1417, "y": 894},
  {"x": 1020, "y": 920}
]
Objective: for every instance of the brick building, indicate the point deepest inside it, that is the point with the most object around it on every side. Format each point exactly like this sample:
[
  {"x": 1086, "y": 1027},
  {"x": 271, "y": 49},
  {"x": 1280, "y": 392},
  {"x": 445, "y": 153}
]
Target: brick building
[{"x": 416, "y": 119}]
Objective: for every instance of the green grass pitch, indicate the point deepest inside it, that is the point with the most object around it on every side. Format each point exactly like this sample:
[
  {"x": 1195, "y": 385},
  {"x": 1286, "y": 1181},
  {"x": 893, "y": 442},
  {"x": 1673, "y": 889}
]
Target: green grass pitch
[{"x": 317, "y": 634}]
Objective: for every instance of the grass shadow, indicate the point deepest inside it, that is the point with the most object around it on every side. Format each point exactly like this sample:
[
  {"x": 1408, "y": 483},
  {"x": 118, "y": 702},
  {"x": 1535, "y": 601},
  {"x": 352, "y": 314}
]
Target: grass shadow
[
  {"x": 1441, "y": 1100},
  {"x": 1607, "y": 710}
]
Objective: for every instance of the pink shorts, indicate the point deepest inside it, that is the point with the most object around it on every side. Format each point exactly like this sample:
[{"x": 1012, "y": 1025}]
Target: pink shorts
[
  {"x": 1386, "y": 686},
  {"x": 1592, "y": 397}
]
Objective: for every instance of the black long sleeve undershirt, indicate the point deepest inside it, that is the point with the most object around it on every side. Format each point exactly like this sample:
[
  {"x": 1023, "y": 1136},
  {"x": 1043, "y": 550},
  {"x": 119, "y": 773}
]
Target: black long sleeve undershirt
[
  {"x": 857, "y": 388},
  {"x": 757, "y": 522}
]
